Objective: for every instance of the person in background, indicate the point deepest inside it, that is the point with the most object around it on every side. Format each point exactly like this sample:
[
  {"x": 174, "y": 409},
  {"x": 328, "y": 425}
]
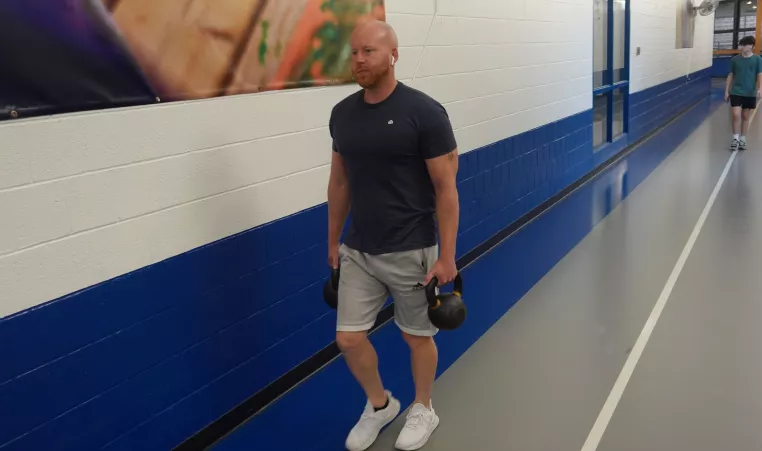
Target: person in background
[
  {"x": 394, "y": 165},
  {"x": 743, "y": 88}
]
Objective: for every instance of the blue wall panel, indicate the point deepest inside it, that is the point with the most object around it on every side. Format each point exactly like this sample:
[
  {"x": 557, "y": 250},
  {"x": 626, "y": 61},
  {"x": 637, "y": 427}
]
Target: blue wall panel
[
  {"x": 721, "y": 66},
  {"x": 654, "y": 106},
  {"x": 144, "y": 360}
]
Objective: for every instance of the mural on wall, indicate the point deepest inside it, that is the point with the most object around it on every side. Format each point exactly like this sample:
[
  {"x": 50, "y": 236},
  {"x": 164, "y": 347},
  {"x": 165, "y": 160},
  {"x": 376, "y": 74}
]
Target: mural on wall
[
  {"x": 71, "y": 55},
  {"x": 686, "y": 24}
]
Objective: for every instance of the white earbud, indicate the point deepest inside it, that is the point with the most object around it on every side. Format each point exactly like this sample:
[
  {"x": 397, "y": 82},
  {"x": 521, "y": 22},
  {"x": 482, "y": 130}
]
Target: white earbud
[{"x": 391, "y": 58}]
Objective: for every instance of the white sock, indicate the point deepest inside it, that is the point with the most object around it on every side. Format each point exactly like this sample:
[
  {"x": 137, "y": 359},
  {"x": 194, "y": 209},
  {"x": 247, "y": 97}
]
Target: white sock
[
  {"x": 743, "y": 138},
  {"x": 735, "y": 136}
]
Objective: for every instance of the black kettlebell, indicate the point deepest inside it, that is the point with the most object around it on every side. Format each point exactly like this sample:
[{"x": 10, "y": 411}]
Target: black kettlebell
[
  {"x": 331, "y": 289},
  {"x": 447, "y": 311}
]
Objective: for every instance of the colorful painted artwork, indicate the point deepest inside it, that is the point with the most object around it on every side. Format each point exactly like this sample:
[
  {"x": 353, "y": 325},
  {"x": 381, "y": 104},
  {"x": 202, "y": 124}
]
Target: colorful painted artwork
[{"x": 171, "y": 50}]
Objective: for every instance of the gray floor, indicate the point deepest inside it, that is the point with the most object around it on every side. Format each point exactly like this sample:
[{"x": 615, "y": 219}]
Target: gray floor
[{"x": 698, "y": 385}]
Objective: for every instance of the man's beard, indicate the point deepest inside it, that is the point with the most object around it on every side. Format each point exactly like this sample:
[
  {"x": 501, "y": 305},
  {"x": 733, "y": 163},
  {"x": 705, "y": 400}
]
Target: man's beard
[{"x": 371, "y": 79}]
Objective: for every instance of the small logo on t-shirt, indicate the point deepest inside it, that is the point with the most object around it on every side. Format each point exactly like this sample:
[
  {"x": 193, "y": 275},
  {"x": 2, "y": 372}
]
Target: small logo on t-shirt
[{"x": 391, "y": 122}]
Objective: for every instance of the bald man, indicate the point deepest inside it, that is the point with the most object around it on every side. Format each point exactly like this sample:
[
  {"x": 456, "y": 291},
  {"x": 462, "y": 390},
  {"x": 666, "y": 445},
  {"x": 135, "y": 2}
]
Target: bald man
[{"x": 394, "y": 165}]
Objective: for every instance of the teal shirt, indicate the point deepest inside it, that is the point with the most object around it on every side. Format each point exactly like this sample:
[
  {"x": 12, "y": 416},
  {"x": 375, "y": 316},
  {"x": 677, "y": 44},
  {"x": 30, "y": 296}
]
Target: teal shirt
[{"x": 745, "y": 71}]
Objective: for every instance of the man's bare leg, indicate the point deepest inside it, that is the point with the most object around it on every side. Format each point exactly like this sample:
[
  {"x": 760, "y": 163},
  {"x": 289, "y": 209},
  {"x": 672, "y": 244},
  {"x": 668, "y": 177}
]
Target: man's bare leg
[
  {"x": 424, "y": 356},
  {"x": 362, "y": 360}
]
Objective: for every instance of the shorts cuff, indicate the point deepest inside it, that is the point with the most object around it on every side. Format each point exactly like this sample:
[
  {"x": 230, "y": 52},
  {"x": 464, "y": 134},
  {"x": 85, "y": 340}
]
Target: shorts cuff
[
  {"x": 360, "y": 328},
  {"x": 430, "y": 332}
]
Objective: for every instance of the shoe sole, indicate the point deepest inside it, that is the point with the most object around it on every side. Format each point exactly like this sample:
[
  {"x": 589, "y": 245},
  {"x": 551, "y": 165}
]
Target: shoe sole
[
  {"x": 372, "y": 440},
  {"x": 424, "y": 440}
]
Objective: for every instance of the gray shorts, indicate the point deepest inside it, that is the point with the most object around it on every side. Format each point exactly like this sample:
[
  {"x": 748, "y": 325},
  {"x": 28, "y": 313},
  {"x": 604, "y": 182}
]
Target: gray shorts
[{"x": 367, "y": 281}]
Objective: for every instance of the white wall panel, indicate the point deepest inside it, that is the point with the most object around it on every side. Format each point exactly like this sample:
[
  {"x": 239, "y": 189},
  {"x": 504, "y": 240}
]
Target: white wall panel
[
  {"x": 485, "y": 133},
  {"x": 47, "y": 271},
  {"x": 408, "y": 63},
  {"x": 653, "y": 29},
  {"x": 448, "y": 30},
  {"x": 14, "y": 166},
  {"x": 554, "y": 11},
  {"x": 31, "y": 215},
  {"x": 494, "y": 9},
  {"x": 539, "y": 32},
  {"x": 47, "y": 211},
  {"x": 90, "y": 196},
  {"x": 451, "y": 88},
  {"x": 74, "y": 144},
  {"x": 462, "y": 59},
  {"x": 469, "y": 112},
  {"x": 411, "y": 6},
  {"x": 411, "y": 29}
]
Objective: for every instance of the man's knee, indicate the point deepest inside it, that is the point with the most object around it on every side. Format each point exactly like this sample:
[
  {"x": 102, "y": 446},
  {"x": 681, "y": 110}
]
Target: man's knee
[
  {"x": 349, "y": 341},
  {"x": 746, "y": 115},
  {"x": 415, "y": 341}
]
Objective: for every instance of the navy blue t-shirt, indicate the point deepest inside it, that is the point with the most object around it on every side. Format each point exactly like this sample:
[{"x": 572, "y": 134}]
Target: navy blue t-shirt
[{"x": 385, "y": 147}]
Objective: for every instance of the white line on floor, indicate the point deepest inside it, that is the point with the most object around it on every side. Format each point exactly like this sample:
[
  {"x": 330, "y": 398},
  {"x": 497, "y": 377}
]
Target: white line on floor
[{"x": 594, "y": 438}]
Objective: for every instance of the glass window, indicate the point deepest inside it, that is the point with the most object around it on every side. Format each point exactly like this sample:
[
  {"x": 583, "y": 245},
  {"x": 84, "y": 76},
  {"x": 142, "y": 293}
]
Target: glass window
[
  {"x": 743, "y": 34},
  {"x": 725, "y": 15},
  {"x": 619, "y": 12},
  {"x": 610, "y": 75},
  {"x": 733, "y": 20},
  {"x": 600, "y": 115},
  {"x": 600, "y": 40},
  {"x": 748, "y": 17},
  {"x": 723, "y": 41},
  {"x": 618, "y": 117}
]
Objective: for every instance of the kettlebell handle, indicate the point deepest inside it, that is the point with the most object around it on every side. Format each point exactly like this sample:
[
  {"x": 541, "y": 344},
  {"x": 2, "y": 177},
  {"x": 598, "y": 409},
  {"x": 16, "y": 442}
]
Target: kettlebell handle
[
  {"x": 431, "y": 290},
  {"x": 335, "y": 272}
]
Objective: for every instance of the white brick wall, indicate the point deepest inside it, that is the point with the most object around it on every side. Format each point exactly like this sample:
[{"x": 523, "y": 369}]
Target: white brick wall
[
  {"x": 653, "y": 29},
  {"x": 87, "y": 197}
]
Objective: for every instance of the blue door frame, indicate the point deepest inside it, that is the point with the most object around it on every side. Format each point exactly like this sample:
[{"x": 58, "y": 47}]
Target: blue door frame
[{"x": 609, "y": 86}]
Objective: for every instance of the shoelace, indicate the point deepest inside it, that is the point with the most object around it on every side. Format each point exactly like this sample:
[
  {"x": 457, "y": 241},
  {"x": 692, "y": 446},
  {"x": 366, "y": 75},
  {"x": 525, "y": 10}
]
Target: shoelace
[
  {"x": 414, "y": 420},
  {"x": 368, "y": 414}
]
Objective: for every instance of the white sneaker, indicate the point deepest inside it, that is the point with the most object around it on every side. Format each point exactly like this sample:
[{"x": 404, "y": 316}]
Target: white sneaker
[
  {"x": 419, "y": 426},
  {"x": 371, "y": 422}
]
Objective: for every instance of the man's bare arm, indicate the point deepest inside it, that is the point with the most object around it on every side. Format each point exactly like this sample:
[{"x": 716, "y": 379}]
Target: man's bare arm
[
  {"x": 338, "y": 203},
  {"x": 728, "y": 84},
  {"x": 443, "y": 171}
]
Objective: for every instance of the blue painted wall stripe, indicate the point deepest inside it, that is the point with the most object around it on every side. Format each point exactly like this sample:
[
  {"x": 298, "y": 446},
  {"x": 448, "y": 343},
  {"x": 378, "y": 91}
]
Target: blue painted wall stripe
[{"x": 721, "y": 66}]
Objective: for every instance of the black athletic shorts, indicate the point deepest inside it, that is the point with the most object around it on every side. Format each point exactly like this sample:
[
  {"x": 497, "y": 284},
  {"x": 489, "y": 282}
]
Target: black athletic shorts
[{"x": 746, "y": 103}]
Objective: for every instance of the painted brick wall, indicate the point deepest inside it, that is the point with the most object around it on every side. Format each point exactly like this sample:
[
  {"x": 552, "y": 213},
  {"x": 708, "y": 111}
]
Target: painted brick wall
[
  {"x": 652, "y": 107},
  {"x": 653, "y": 30},
  {"x": 92, "y": 196},
  {"x": 154, "y": 271}
]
